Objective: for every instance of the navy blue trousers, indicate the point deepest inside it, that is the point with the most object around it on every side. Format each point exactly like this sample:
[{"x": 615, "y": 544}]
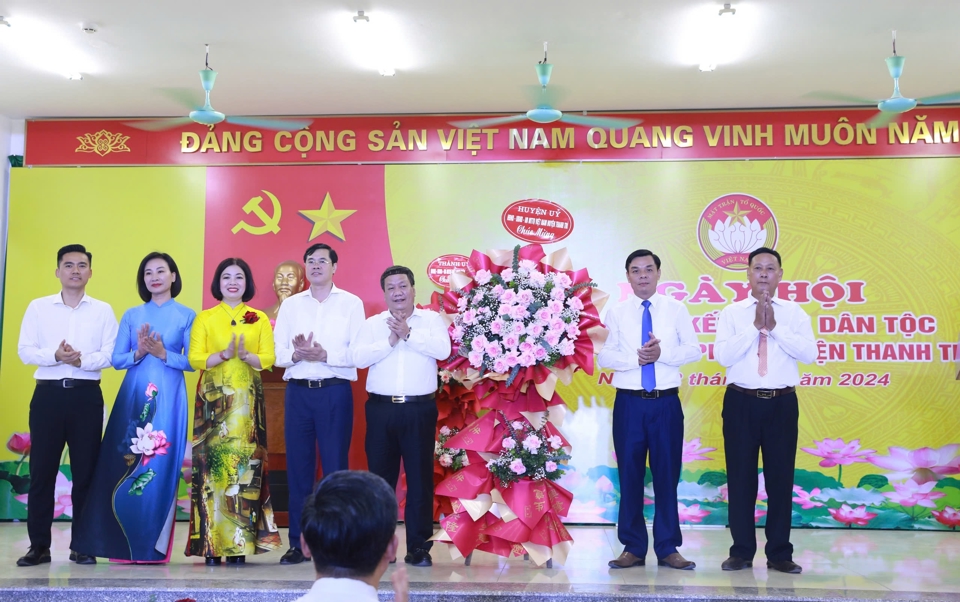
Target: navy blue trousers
[
  {"x": 752, "y": 427},
  {"x": 655, "y": 426},
  {"x": 314, "y": 418}
]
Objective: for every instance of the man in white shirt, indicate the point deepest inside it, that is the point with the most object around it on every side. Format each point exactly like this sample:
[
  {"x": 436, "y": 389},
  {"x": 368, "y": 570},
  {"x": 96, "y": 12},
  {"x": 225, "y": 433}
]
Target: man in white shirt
[
  {"x": 312, "y": 337},
  {"x": 349, "y": 530},
  {"x": 759, "y": 341},
  {"x": 401, "y": 346},
  {"x": 651, "y": 336},
  {"x": 69, "y": 337}
]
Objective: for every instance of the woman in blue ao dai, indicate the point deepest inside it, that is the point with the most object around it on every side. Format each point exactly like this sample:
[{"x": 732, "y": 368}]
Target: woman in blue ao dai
[{"x": 132, "y": 503}]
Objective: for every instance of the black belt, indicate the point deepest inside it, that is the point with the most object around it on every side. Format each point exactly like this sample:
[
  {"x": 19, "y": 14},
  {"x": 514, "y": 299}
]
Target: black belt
[
  {"x": 762, "y": 393},
  {"x": 319, "y": 383},
  {"x": 402, "y": 398},
  {"x": 68, "y": 383},
  {"x": 651, "y": 394}
]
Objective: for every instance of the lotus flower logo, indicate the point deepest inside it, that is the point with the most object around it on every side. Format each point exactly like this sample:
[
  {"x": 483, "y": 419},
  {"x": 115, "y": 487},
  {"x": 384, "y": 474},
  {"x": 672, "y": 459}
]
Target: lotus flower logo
[
  {"x": 103, "y": 143},
  {"x": 734, "y": 225}
]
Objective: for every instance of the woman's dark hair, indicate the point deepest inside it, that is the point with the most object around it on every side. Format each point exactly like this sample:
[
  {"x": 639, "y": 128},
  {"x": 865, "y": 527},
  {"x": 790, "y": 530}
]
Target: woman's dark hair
[
  {"x": 175, "y": 288},
  {"x": 250, "y": 289},
  {"x": 348, "y": 523}
]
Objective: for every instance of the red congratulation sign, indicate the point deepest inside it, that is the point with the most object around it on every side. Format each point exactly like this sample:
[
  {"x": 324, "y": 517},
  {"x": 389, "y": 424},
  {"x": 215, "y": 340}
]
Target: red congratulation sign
[
  {"x": 537, "y": 220},
  {"x": 440, "y": 268}
]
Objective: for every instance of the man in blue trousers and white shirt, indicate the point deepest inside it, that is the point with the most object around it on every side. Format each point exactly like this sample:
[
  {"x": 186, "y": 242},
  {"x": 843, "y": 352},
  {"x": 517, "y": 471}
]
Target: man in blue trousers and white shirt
[{"x": 651, "y": 336}]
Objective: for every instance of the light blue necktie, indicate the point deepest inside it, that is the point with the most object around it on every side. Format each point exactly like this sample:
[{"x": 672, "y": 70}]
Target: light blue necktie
[{"x": 648, "y": 373}]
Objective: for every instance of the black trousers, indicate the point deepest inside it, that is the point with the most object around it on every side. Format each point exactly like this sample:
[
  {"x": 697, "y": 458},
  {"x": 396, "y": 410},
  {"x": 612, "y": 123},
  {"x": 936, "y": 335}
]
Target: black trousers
[
  {"x": 58, "y": 417},
  {"x": 753, "y": 426},
  {"x": 405, "y": 431}
]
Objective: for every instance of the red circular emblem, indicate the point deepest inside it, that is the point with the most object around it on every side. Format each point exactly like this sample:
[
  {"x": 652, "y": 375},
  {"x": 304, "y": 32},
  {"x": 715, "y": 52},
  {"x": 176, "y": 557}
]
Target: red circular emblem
[
  {"x": 734, "y": 225},
  {"x": 537, "y": 220},
  {"x": 440, "y": 268}
]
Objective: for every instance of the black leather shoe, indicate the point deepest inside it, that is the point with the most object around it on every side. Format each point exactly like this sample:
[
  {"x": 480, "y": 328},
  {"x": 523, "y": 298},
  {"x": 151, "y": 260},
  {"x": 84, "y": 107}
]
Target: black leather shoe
[
  {"x": 784, "y": 566},
  {"x": 293, "y": 556},
  {"x": 34, "y": 556},
  {"x": 83, "y": 558},
  {"x": 236, "y": 559},
  {"x": 736, "y": 564},
  {"x": 212, "y": 561},
  {"x": 418, "y": 558}
]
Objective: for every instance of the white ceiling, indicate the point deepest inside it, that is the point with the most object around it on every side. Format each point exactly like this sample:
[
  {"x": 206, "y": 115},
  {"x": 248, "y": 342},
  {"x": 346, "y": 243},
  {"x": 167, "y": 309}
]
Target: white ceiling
[{"x": 289, "y": 57}]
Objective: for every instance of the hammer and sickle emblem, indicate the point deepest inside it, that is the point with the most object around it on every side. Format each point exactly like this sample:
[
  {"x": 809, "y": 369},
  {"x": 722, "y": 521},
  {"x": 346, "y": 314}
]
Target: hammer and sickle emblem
[{"x": 271, "y": 223}]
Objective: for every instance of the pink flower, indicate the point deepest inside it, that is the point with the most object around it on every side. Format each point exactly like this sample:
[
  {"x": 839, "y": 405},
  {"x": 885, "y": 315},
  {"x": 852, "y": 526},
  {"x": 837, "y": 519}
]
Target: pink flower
[
  {"x": 493, "y": 349},
  {"x": 500, "y": 365},
  {"x": 62, "y": 500},
  {"x": 526, "y": 346},
  {"x": 517, "y": 466},
  {"x": 527, "y": 359},
  {"x": 836, "y": 451},
  {"x": 572, "y": 331},
  {"x": 805, "y": 499},
  {"x": 149, "y": 443},
  {"x": 507, "y": 275},
  {"x": 469, "y": 317},
  {"x": 561, "y": 280},
  {"x": 509, "y": 443},
  {"x": 508, "y": 297},
  {"x": 496, "y": 327},
  {"x": 543, "y": 314},
  {"x": 518, "y": 312},
  {"x": 445, "y": 431},
  {"x": 478, "y": 343},
  {"x": 535, "y": 330},
  {"x": 692, "y": 451},
  {"x": 575, "y": 303},
  {"x": 540, "y": 353},
  {"x": 457, "y": 333},
  {"x": 19, "y": 443},
  {"x": 948, "y": 516},
  {"x": 446, "y": 460},
  {"x": 723, "y": 493},
  {"x": 518, "y": 328},
  {"x": 497, "y": 290},
  {"x": 693, "y": 514},
  {"x": 483, "y": 277},
  {"x": 511, "y": 341},
  {"x": 537, "y": 279},
  {"x": 555, "y": 441},
  {"x": 921, "y": 465},
  {"x": 527, "y": 264},
  {"x": 475, "y": 358},
  {"x": 517, "y": 425},
  {"x": 557, "y": 325},
  {"x": 478, "y": 296},
  {"x": 525, "y": 296},
  {"x": 758, "y": 514},
  {"x": 552, "y": 338},
  {"x": 532, "y": 444},
  {"x": 555, "y": 307},
  {"x": 461, "y": 303},
  {"x": 909, "y": 494},
  {"x": 567, "y": 348},
  {"x": 558, "y": 294},
  {"x": 151, "y": 391},
  {"x": 551, "y": 466},
  {"x": 852, "y": 516}
]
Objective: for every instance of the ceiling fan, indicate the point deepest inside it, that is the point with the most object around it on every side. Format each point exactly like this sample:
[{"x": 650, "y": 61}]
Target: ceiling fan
[
  {"x": 544, "y": 111},
  {"x": 206, "y": 115},
  {"x": 897, "y": 103}
]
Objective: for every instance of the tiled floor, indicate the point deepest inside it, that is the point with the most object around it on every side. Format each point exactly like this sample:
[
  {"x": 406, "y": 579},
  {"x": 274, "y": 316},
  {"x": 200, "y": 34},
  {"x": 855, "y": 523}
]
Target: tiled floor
[{"x": 837, "y": 563}]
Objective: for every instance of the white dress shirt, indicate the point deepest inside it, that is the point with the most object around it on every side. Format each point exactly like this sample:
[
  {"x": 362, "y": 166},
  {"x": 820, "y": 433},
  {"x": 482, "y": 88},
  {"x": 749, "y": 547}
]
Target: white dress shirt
[
  {"x": 789, "y": 342},
  {"x": 671, "y": 324},
  {"x": 328, "y": 589},
  {"x": 333, "y": 322},
  {"x": 410, "y": 367},
  {"x": 90, "y": 328}
]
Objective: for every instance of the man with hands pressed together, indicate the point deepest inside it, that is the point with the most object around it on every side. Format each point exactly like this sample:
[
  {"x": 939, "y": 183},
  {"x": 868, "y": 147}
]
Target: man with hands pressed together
[
  {"x": 312, "y": 337},
  {"x": 760, "y": 340},
  {"x": 70, "y": 337},
  {"x": 650, "y": 337},
  {"x": 401, "y": 347}
]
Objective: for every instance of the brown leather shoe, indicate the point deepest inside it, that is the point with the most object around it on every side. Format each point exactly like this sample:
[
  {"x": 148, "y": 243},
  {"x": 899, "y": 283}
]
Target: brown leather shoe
[
  {"x": 676, "y": 561},
  {"x": 736, "y": 564},
  {"x": 784, "y": 566},
  {"x": 625, "y": 561}
]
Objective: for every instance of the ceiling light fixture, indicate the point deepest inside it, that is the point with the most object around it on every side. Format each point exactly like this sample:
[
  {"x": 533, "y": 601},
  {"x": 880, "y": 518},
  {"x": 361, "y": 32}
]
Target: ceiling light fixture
[
  {"x": 374, "y": 46},
  {"x": 4, "y": 22},
  {"x": 75, "y": 77},
  {"x": 727, "y": 10},
  {"x": 717, "y": 38}
]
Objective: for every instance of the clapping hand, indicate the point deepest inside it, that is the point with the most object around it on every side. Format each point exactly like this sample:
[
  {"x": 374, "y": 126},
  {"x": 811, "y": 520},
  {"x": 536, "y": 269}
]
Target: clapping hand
[
  {"x": 242, "y": 352},
  {"x": 650, "y": 352},
  {"x": 231, "y": 349},
  {"x": 67, "y": 354},
  {"x": 142, "y": 334},
  {"x": 399, "y": 329},
  {"x": 153, "y": 344},
  {"x": 305, "y": 348},
  {"x": 765, "y": 317}
]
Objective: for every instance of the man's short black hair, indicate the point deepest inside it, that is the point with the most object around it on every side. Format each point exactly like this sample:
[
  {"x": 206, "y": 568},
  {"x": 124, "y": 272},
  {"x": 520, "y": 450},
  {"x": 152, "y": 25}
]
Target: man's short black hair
[
  {"x": 641, "y": 253},
  {"x": 74, "y": 249},
  {"x": 175, "y": 288},
  {"x": 321, "y": 245},
  {"x": 393, "y": 271},
  {"x": 348, "y": 523},
  {"x": 761, "y": 251},
  {"x": 250, "y": 289}
]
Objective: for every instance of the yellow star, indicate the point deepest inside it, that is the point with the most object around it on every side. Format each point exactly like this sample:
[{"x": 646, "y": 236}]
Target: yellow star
[
  {"x": 327, "y": 219},
  {"x": 737, "y": 214}
]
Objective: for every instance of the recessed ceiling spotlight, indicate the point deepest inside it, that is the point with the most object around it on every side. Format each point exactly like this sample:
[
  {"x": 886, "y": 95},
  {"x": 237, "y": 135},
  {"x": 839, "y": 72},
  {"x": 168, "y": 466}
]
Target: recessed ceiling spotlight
[
  {"x": 708, "y": 67},
  {"x": 89, "y": 27},
  {"x": 388, "y": 71},
  {"x": 360, "y": 17},
  {"x": 4, "y": 22},
  {"x": 75, "y": 77}
]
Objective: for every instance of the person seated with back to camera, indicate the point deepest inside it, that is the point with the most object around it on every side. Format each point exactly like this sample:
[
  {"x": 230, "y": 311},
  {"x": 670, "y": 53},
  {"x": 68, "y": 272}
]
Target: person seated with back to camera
[{"x": 348, "y": 528}]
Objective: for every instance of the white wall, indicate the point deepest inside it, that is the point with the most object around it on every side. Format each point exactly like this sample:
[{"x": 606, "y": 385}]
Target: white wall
[{"x": 11, "y": 143}]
